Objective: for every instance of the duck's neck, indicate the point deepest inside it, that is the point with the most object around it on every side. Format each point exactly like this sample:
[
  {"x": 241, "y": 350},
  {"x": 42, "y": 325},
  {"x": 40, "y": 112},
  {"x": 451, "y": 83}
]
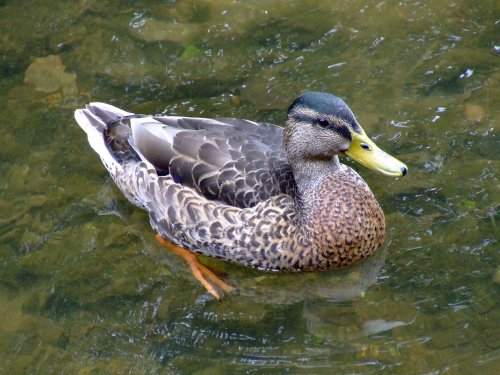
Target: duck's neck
[{"x": 309, "y": 172}]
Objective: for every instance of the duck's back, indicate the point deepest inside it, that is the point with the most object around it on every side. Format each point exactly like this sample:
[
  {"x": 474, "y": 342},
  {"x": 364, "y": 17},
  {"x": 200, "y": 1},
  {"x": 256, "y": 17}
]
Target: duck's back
[{"x": 237, "y": 162}]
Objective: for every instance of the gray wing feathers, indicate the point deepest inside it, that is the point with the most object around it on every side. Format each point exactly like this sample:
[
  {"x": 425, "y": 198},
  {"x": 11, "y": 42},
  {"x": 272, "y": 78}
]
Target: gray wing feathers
[{"x": 237, "y": 162}]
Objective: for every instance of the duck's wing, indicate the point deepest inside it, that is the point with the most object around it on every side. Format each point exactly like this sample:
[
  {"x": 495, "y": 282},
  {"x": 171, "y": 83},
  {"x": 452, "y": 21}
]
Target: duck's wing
[{"x": 238, "y": 162}]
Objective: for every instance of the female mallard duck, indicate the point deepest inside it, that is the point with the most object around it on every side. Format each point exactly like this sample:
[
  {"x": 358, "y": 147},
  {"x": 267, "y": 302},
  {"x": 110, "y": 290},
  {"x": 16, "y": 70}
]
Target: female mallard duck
[{"x": 251, "y": 193}]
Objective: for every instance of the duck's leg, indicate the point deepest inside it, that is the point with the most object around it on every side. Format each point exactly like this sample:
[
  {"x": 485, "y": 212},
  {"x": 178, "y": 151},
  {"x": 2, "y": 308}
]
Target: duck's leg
[{"x": 204, "y": 274}]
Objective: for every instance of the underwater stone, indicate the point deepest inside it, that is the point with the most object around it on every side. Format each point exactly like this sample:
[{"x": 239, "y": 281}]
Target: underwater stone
[
  {"x": 47, "y": 74},
  {"x": 152, "y": 30}
]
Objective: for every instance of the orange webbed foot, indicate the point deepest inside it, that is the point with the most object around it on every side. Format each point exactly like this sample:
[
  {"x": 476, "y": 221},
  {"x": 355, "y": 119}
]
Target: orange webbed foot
[{"x": 204, "y": 274}]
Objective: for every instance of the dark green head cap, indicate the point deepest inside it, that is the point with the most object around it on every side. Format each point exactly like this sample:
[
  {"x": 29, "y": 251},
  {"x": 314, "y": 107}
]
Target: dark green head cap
[{"x": 325, "y": 104}]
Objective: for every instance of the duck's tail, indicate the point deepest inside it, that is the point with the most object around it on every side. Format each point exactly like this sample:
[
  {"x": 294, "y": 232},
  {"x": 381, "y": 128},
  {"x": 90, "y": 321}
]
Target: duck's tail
[{"x": 109, "y": 134}]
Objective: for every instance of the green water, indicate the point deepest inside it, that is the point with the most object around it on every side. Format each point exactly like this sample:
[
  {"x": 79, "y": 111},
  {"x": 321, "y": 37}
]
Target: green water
[{"x": 85, "y": 288}]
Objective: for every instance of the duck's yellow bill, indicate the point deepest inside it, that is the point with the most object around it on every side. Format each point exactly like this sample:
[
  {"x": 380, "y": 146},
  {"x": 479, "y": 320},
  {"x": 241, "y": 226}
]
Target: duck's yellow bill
[{"x": 366, "y": 152}]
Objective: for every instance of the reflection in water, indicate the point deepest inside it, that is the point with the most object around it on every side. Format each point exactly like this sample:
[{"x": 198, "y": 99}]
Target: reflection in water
[
  {"x": 85, "y": 288},
  {"x": 335, "y": 286}
]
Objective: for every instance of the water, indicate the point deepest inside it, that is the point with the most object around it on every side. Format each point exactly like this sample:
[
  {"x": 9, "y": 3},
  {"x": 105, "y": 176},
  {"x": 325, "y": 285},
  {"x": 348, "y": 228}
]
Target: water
[{"x": 85, "y": 288}]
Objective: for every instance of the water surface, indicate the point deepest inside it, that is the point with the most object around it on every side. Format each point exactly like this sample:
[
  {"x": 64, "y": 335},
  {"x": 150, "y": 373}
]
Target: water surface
[{"x": 85, "y": 288}]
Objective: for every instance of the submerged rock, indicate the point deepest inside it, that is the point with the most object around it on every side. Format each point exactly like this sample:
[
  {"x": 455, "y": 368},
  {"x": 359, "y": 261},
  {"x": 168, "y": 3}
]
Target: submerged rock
[
  {"x": 47, "y": 74},
  {"x": 474, "y": 112},
  {"x": 152, "y": 30}
]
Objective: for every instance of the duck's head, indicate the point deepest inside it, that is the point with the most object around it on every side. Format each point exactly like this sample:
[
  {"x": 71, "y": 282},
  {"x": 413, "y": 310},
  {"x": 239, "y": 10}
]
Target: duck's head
[{"x": 320, "y": 126}]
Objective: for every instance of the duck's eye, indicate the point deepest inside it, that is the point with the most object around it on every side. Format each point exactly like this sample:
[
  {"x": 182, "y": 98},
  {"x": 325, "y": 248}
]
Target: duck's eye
[
  {"x": 366, "y": 147},
  {"x": 322, "y": 122}
]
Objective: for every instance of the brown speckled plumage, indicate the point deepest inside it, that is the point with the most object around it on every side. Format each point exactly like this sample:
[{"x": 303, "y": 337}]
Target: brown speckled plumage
[{"x": 229, "y": 189}]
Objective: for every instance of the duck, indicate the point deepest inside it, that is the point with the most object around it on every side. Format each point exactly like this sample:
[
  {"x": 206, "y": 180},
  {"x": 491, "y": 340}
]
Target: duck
[{"x": 252, "y": 193}]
